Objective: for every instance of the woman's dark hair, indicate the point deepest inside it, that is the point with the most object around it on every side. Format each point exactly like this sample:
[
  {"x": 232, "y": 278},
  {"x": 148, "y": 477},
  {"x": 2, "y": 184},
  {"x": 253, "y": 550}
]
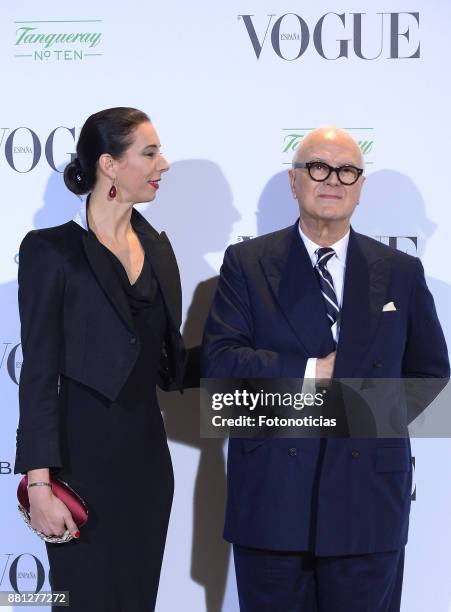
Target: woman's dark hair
[{"x": 108, "y": 131}]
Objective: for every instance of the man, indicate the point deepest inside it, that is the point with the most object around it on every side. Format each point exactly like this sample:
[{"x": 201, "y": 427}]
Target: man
[{"x": 321, "y": 524}]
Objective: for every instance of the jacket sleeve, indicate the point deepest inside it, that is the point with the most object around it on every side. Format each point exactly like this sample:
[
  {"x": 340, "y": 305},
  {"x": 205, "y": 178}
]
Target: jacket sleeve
[
  {"x": 228, "y": 344},
  {"x": 426, "y": 354},
  {"x": 41, "y": 290},
  {"x": 425, "y": 363},
  {"x": 172, "y": 362}
]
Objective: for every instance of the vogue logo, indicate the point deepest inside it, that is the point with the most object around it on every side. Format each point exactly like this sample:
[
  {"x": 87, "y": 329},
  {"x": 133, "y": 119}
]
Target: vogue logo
[
  {"x": 11, "y": 358},
  {"x": 414, "y": 484},
  {"x": 24, "y": 148},
  {"x": 337, "y": 35},
  {"x": 406, "y": 244},
  {"x": 22, "y": 569}
]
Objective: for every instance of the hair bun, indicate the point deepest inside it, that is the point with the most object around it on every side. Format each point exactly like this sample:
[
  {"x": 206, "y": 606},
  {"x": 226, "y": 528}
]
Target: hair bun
[{"x": 75, "y": 179}]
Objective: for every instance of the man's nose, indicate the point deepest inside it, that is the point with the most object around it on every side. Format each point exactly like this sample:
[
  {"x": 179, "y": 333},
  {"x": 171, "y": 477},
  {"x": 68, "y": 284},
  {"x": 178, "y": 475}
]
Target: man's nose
[{"x": 332, "y": 179}]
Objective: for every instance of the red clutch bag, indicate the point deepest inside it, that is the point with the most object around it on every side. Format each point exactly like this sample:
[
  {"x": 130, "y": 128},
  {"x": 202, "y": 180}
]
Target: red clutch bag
[{"x": 66, "y": 494}]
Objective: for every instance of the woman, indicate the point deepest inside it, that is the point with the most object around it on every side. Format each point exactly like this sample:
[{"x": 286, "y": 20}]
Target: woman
[{"x": 100, "y": 310}]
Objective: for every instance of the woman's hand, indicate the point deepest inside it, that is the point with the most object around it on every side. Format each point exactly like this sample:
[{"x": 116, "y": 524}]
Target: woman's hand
[{"x": 50, "y": 515}]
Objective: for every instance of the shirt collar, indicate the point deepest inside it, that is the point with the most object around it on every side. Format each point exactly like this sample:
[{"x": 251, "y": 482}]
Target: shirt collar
[{"x": 340, "y": 247}]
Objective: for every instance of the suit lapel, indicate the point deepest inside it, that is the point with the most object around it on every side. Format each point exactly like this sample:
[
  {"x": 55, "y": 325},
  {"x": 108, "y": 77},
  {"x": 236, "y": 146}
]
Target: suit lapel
[
  {"x": 366, "y": 282},
  {"x": 161, "y": 256},
  {"x": 290, "y": 274},
  {"x": 102, "y": 267},
  {"x": 107, "y": 277}
]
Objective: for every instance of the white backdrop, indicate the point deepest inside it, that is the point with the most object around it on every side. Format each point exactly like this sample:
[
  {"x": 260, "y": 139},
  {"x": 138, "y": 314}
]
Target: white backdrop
[{"x": 230, "y": 102}]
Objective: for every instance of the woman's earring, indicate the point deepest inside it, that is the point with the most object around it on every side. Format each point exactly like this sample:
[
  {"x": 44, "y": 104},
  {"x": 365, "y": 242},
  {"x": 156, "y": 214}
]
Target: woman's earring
[{"x": 113, "y": 191}]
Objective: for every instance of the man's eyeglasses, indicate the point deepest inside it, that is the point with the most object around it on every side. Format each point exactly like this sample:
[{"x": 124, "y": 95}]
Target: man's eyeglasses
[{"x": 320, "y": 171}]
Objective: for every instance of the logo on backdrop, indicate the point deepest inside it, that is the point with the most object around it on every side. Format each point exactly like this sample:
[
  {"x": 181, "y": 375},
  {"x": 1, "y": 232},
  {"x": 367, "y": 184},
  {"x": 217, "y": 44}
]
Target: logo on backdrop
[
  {"x": 335, "y": 35},
  {"x": 24, "y": 148},
  {"x": 25, "y": 572},
  {"x": 58, "y": 41},
  {"x": 11, "y": 360},
  {"x": 292, "y": 137},
  {"x": 5, "y": 467},
  {"x": 406, "y": 244}
]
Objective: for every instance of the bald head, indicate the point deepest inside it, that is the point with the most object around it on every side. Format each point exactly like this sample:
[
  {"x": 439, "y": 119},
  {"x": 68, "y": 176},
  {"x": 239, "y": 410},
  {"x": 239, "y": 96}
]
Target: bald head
[{"x": 333, "y": 137}]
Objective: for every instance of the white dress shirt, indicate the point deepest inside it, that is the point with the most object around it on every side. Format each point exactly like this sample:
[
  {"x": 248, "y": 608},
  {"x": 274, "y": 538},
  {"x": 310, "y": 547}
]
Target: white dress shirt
[{"x": 336, "y": 266}]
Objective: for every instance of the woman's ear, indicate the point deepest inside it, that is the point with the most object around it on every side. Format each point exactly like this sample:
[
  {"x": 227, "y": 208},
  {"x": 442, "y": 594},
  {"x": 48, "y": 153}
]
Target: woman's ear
[{"x": 107, "y": 165}]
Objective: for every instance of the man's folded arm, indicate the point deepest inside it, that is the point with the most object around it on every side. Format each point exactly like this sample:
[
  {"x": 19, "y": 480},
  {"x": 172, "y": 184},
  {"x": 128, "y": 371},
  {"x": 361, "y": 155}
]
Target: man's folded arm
[{"x": 228, "y": 346}]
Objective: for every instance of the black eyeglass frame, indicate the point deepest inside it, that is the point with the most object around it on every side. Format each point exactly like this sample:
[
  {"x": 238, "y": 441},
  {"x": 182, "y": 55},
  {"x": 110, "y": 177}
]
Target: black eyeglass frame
[{"x": 331, "y": 169}]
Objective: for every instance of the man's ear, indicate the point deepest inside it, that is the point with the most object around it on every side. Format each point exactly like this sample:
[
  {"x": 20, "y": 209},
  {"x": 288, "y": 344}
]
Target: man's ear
[
  {"x": 291, "y": 178},
  {"x": 363, "y": 179}
]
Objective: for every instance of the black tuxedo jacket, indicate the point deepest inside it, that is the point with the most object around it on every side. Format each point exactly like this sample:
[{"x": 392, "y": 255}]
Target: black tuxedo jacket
[
  {"x": 76, "y": 322},
  {"x": 335, "y": 496}
]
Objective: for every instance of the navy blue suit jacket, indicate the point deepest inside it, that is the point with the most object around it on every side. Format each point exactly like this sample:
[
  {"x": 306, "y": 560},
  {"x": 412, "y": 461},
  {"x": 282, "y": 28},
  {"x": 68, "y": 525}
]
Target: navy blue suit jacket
[{"x": 335, "y": 496}]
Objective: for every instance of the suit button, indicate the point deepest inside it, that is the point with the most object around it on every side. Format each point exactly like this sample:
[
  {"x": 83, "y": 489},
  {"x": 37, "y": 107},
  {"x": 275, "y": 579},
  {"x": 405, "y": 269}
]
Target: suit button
[
  {"x": 377, "y": 364},
  {"x": 355, "y": 454},
  {"x": 293, "y": 452},
  {"x": 133, "y": 340}
]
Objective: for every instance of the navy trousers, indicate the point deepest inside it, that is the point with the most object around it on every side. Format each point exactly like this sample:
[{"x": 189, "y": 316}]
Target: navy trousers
[{"x": 302, "y": 582}]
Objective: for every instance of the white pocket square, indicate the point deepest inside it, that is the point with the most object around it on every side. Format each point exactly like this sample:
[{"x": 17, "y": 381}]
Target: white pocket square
[{"x": 389, "y": 307}]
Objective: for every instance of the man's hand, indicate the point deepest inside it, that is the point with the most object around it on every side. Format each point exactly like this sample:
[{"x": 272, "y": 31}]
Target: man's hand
[{"x": 325, "y": 367}]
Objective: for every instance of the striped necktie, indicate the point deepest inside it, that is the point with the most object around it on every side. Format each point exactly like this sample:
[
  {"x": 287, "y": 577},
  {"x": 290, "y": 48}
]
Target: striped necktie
[{"x": 326, "y": 284}]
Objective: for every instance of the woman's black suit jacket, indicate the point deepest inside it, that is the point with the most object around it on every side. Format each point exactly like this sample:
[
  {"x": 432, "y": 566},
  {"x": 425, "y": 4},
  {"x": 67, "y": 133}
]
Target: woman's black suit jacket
[{"x": 76, "y": 322}]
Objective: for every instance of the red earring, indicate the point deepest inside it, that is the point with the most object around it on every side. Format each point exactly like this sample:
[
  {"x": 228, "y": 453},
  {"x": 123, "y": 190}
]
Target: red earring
[{"x": 113, "y": 191}]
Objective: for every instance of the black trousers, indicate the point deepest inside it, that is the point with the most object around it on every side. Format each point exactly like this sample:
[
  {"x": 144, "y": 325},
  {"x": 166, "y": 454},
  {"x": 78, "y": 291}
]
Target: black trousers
[{"x": 302, "y": 582}]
